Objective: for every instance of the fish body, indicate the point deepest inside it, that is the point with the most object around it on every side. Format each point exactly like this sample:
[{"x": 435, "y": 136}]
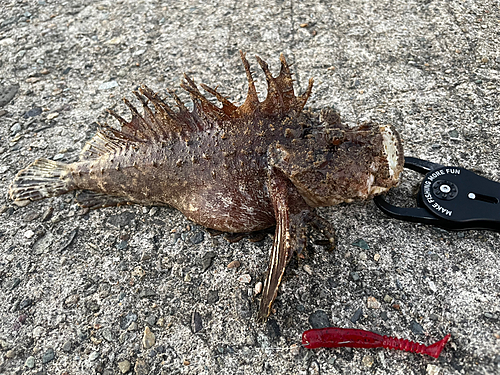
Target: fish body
[{"x": 229, "y": 168}]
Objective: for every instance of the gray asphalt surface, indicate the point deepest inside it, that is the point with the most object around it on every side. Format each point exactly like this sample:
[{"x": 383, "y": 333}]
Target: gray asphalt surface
[{"x": 79, "y": 289}]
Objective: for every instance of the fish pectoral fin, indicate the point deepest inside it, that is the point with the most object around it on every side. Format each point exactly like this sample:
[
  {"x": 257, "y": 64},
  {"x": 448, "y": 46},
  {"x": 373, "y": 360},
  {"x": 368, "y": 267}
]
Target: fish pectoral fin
[
  {"x": 93, "y": 200},
  {"x": 290, "y": 236}
]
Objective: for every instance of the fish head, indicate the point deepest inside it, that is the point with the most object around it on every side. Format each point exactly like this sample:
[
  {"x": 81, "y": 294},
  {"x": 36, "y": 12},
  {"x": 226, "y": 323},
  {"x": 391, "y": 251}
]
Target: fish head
[{"x": 342, "y": 164}]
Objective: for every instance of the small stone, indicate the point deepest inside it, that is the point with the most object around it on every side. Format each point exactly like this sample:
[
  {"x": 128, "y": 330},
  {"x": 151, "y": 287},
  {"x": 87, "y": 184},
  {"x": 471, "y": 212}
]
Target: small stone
[
  {"x": 12, "y": 284},
  {"x": 432, "y": 369},
  {"x": 372, "y": 303},
  {"x": 58, "y": 156},
  {"x": 485, "y": 60},
  {"x": 123, "y": 337},
  {"x": 149, "y": 339},
  {"x": 121, "y": 245},
  {"x": 368, "y": 361},
  {"x": 29, "y": 233},
  {"x": 19, "y": 203},
  {"x": 186, "y": 362},
  {"x": 108, "y": 334},
  {"x": 11, "y": 353},
  {"x": 196, "y": 322},
  {"x": 151, "y": 320},
  {"x": 33, "y": 112},
  {"x": 433, "y": 316},
  {"x": 160, "y": 322},
  {"x": 133, "y": 326},
  {"x": 376, "y": 257},
  {"x": 52, "y": 115},
  {"x": 82, "y": 334},
  {"x": 124, "y": 366},
  {"x": 273, "y": 329},
  {"x": 30, "y": 362},
  {"x": 448, "y": 71},
  {"x": 206, "y": 261},
  {"x": 491, "y": 316},
  {"x": 25, "y": 303},
  {"x": 363, "y": 256},
  {"x": 48, "y": 356},
  {"x": 246, "y": 278},
  {"x": 308, "y": 269},
  {"x": 197, "y": 237},
  {"x": 361, "y": 244},
  {"x": 66, "y": 347},
  {"x": 388, "y": 298},
  {"x": 138, "y": 272},
  {"x": 16, "y": 128},
  {"x": 212, "y": 296},
  {"x": 357, "y": 314},
  {"x": 384, "y": 316},
  {"x": 234, "y": 264},
  {"x": 355, "y": 276},
  {"x": 319, "y": 319},
  {"x": 94, "y": 355},
  {"x": 127, "y": 320},
  {"x": 47, "y": 214},
  {"x": 141, "y": 368},
  {"x": 147, "y": 293},
  {"x": 257, "y": 288},
  {"x": 108, "y": 85},
  {"x": 38, "y": 332},
  {"x": 7, "y": 93},
  {"x": 432, "y": 285},
  {"x": 145, "y": 256},
  {"x": 416, "y": 328}
]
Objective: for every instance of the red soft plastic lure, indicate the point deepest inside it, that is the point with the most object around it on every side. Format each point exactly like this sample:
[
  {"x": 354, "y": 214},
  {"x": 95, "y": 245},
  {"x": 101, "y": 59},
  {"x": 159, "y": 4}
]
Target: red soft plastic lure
[{"x": 333, "y": 337}]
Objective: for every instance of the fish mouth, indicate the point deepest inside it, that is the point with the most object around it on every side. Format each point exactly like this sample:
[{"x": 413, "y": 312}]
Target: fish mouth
[{"x": 392, "y": 151}]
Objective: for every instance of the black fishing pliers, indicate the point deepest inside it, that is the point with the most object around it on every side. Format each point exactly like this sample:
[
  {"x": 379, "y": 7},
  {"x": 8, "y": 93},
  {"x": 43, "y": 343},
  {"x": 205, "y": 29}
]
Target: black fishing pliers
[{"x": 452, "y": 198}]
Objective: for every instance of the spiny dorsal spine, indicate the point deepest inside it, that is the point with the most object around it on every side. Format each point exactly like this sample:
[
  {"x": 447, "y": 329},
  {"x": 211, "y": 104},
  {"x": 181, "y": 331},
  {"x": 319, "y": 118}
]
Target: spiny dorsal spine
[{"x": 164, "y": 123}]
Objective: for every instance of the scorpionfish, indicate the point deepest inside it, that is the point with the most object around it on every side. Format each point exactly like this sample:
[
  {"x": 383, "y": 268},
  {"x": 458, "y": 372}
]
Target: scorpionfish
[{"x": 231, "y": 168}]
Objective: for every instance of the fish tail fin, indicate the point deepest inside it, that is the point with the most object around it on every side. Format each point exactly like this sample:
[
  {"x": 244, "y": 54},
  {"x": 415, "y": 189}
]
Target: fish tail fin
[{"x": 42, "y": 179}]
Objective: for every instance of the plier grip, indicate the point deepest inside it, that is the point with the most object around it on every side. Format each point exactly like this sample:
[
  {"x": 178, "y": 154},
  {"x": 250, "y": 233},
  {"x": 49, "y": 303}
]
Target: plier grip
[{"x": 452, "y": 198}]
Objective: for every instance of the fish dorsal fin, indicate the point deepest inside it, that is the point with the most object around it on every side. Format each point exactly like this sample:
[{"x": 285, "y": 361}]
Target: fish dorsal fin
[
  {"x": 205, "y": 113},
  {"x": 252, "y": 101},
  {"x": 281, "y": 98},
  {"x": 107, "y": 140},
  {"x": 164, "y": 123},
  {"x": 161, "y": 124}
]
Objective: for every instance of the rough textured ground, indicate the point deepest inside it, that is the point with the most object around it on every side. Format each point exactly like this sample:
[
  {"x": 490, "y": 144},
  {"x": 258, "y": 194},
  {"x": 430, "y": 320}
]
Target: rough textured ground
[{"x": 79, "y": 289}]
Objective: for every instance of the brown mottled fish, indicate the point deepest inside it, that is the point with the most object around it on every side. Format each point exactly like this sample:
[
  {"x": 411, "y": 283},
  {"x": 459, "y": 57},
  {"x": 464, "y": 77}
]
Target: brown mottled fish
[{"x": 229, "y": 168}]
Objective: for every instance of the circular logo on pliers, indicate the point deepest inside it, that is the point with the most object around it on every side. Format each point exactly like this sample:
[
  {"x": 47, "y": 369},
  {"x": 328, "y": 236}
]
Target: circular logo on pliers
[{"x": 444, "y": 189}]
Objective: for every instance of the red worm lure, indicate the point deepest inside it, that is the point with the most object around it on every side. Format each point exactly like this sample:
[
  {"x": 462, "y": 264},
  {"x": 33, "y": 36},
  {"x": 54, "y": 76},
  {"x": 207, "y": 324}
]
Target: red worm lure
[{"x": 333, "y": 337}]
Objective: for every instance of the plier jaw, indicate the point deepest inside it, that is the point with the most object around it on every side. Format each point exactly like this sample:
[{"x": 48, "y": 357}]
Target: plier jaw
[{"x": 452, "y": 198}]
